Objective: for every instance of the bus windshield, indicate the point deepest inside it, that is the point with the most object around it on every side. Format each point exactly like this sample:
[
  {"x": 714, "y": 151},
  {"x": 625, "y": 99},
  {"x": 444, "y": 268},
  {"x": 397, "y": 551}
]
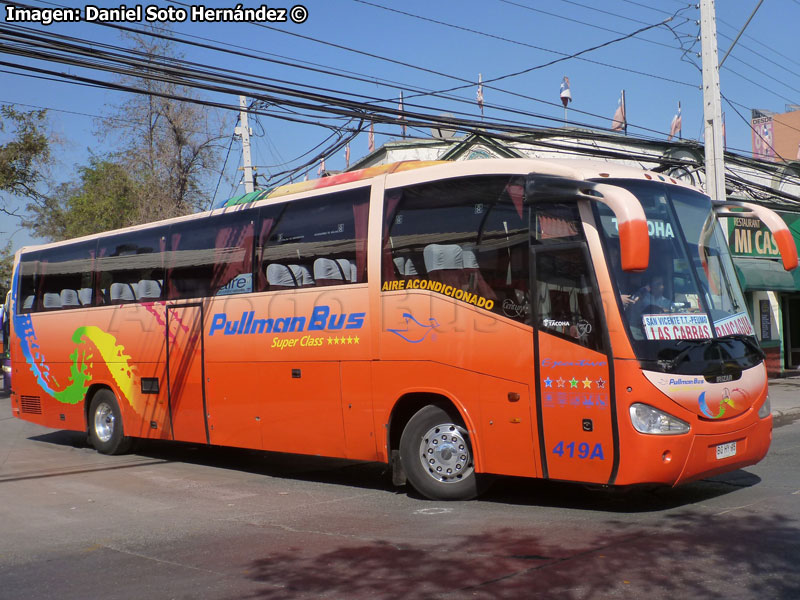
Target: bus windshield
[{"x": 689, "y": 293}]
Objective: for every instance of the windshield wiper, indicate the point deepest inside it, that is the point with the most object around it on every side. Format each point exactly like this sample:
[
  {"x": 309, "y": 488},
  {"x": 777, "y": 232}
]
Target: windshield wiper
[
  {"x": 747, "y": 340},
  {"x": 669, "y": 364}
]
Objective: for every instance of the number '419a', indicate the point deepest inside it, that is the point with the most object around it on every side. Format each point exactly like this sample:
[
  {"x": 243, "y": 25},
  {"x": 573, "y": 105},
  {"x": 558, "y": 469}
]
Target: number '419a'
[{"x": 583, "y": 450}]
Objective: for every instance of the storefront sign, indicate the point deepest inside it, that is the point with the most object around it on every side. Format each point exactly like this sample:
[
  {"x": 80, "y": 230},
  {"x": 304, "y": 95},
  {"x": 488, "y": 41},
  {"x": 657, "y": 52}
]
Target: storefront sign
[
  {"x": 766, "y": 320},
  {"x": 747, "y": 236},
  {"x": 762, "y": 134}
]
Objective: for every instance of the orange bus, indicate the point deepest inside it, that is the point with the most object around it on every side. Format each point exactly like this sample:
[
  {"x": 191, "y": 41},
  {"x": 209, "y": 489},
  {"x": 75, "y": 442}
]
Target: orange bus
[{"x": 568, "y": 320}]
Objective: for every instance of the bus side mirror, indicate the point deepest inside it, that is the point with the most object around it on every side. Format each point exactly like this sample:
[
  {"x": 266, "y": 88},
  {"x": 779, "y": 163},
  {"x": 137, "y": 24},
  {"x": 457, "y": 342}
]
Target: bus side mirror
[
  {"x": 780, "y": 232},
  {"x": 634, "y": 238}
]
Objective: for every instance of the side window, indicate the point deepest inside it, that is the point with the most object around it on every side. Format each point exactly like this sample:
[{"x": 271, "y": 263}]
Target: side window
[
  {"x": 130, "y": 267},
  {"x": 318, "y": 241},
  {"x": 26, "y": 294},
  {"x": 556, "y": 223},
  {"x": 57, "y": 278},
  {"x": 211, "y": 256},
  {"x": 466, "y": 238},
  {"x": 563, "y": 283}
]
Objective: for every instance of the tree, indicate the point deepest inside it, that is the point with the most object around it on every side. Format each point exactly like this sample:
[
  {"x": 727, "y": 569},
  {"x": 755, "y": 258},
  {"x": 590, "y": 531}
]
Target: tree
[
  {"x": 105, "y": 197},
  {"x": 170, "y": 146},
  {"x": 6, "y": 266},
  {"x": 22, "y": 157}
]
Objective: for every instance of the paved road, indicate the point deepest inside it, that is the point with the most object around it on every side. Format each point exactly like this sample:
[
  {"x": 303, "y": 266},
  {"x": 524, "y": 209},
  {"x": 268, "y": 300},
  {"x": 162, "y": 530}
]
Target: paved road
[{"x": 178, "y": 521}]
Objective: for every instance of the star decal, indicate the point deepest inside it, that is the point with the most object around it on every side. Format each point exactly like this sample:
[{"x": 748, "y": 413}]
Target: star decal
[
  {"x": 561, "y": 382},
  {"x": 548, "y": 382},
  {"x": 573, "y": 383},
  {"x": 587, "y": 383},
  {"x": 601, "y": 383}
]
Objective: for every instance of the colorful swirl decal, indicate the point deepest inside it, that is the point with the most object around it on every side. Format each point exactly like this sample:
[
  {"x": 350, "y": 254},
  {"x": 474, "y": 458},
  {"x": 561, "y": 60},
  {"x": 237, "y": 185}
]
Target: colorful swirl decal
[
  {"x": 726, "y": 399},
  {"x": 84, "y": 338},
  {"x": 113, "y": 356}
]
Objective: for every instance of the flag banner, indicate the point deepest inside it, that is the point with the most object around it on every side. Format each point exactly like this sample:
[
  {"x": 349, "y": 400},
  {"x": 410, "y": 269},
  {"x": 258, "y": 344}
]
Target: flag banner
[
  {"x": 619, "y": 123},
  {"x": 724, "y": 134},
  {"x": 566, "y": 94},
  {"x": 371, "y": 138},
  {"x": 480, "y": 93},
  {"x": 675, "y": 126},
  {"x": 347, "y": 156},
  {"x": 321, "y": 168}
]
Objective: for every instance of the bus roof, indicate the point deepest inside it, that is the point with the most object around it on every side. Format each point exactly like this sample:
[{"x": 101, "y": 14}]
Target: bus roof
[{"x": 409, "y": 172}]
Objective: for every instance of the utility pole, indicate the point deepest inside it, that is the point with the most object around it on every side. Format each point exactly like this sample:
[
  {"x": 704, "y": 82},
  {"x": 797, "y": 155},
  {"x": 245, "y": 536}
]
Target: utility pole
[
  {"x": 244, "y": 132},
  {"x": 712, "y": 106}
]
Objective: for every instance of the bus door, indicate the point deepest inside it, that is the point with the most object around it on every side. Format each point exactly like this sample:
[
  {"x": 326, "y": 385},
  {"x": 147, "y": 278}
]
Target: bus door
[
  {"x": 185, "y": 373},
  {"x": 574, "y": 403}
]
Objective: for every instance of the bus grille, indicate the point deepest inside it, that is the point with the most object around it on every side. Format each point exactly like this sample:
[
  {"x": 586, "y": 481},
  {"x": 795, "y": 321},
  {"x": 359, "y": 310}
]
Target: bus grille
[{"x": 31, "y": 405}]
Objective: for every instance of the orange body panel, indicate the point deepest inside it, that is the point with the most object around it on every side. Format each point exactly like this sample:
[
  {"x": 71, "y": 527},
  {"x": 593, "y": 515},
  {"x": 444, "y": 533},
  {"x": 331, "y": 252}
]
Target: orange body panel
[
  {"x": 577, "y": 411},
  {"x": 673, "y": 459},
  {"x": 185, "y": 370}
]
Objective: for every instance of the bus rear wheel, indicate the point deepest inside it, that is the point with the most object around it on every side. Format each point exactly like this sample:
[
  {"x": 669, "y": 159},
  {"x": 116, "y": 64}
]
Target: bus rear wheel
[
  {"x": 437, "y": 456},
  {"x": 105, "y": 425}
]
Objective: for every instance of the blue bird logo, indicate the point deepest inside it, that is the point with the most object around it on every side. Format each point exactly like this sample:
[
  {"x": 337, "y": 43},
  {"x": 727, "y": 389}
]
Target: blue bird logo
[{"x": 415, "y": 332}]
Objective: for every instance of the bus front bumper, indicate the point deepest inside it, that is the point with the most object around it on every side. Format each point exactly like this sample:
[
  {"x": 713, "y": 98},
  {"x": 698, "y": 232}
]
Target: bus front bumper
[{"x": 720, "y": 453}]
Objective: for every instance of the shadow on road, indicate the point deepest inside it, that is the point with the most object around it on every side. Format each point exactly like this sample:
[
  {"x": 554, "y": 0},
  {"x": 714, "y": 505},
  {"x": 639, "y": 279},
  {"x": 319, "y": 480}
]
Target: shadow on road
[
  {"x": 375, "y": 476},
  {"x": 682, "y": 558}
]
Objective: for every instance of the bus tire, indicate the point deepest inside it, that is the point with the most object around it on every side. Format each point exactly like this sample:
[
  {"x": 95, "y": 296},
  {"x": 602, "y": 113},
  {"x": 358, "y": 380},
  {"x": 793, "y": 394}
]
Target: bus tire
[
  {"x": 437, "y": 455},
  {"x": 105, "y": 424}
]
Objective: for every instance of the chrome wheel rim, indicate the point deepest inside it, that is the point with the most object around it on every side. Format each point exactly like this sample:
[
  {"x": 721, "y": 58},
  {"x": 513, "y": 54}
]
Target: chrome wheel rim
[
  {"x": 104, "y": 422},
  {"x": 444, "y": 453}
]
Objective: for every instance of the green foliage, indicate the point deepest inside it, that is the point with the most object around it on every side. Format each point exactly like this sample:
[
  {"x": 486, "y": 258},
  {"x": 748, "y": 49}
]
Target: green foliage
[
  {"x": 22, "y": 155},
  {"x": 6, "y": 266},
  {"x": 104, "y": 198}
]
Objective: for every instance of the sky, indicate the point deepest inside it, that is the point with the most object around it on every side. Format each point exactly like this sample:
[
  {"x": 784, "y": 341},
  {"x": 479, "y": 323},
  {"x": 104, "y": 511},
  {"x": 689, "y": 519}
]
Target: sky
[{"x": 377, "y": 48}]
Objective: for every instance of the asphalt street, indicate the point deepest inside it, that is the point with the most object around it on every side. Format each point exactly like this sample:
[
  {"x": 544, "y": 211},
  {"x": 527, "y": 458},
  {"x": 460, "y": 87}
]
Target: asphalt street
[{"x": 183, "y": 521}]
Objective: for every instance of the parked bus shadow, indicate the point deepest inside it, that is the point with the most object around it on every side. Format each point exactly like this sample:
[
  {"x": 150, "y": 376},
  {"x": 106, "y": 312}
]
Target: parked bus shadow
[
  {"x": 687, "y": 555},
  {"x": 76, "y": 439},
  {"x": 376, "y": 476},
  {"x": 634, "y": 499}
]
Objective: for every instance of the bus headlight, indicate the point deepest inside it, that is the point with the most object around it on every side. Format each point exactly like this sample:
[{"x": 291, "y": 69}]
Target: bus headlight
[
  {"x": 647, "y": 419},
  {"x": 766, "y": 409},
  {"x": 6, "y": 368}
]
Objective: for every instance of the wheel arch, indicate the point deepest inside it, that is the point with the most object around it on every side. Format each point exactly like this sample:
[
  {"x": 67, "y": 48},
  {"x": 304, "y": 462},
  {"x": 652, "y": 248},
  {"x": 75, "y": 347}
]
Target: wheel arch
[
  {"x": 406, "y": 407},
  {"x": 87, "y": 400}
]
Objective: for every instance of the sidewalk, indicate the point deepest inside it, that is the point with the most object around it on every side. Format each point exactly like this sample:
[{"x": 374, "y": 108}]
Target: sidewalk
[{"x": 784, "y": 395}]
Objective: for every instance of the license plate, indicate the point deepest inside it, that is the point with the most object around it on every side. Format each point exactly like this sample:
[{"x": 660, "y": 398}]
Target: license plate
[{"x": 726, "y": 450}]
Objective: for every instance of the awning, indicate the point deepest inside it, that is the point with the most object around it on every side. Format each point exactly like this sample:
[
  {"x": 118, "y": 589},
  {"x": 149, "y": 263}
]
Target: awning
[{"x": 765, "y": 274}]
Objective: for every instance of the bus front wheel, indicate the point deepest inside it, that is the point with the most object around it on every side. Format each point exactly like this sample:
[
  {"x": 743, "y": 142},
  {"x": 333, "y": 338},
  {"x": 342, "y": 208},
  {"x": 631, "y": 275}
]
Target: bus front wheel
[
  {"x": 437, "y": 455},
  {"x": 105, "y": 425}
]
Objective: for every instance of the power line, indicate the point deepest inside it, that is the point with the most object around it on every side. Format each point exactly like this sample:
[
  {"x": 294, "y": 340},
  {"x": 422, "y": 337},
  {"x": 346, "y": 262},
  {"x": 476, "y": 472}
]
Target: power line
[
  {"x": 584, "y": 23},
  {"x": 177, "y": 74},
  {"x": 438, "y": 94},
  {"x": 81, "y": 48},
  {"x": 500, "y": 38}
]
